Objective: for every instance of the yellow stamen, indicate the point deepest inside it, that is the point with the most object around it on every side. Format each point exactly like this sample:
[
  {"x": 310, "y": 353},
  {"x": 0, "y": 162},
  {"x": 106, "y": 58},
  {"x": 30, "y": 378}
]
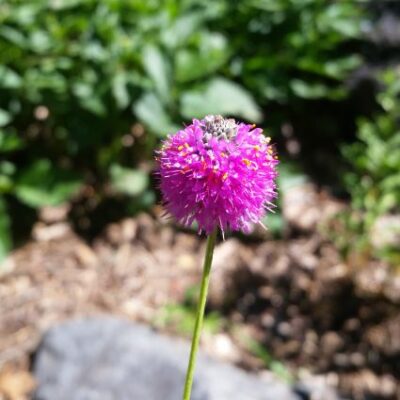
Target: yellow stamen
[
  {"x": 180, "y": 148},
  {"x": 247, "y": 162},
  {"x": 225, "y": 176}
]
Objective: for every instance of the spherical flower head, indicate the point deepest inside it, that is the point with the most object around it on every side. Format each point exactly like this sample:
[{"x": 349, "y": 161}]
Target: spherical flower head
[{"x": 219, "y": 173}]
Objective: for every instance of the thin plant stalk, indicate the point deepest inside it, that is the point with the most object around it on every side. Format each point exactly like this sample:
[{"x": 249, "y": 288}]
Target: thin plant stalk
[{"x": 200, "y": 314}]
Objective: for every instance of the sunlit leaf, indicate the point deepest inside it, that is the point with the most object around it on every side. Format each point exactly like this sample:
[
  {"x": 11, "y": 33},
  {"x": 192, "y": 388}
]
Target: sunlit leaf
[
  {"x": 307, "y": 90},
  {"x": 128, "y": 181},
  {"x": 9, "y": 141},
  {"x": 209, "y": 56},
  {"x": 220, "y": 96},
  {"x": 120, "y": 90},
  {"x": 5, "y": 117},
  {"x": 43, "y": 184},
  {"x": 8, "y": 78},
  {"x": 182, "y": 28},
  {"x": 151, "y": 112},
  {"x": 155, "y": 64}
]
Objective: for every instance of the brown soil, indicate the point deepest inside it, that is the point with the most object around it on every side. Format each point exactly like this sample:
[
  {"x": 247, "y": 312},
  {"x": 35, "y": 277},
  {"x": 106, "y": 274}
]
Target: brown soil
[{"x": 312, "y": 312}]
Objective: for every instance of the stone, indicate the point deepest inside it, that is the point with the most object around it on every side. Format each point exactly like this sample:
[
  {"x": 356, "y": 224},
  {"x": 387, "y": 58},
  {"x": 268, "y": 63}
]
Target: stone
[
  {"x": 315, "y": 387},
  {"x": 105, "y": 358}
]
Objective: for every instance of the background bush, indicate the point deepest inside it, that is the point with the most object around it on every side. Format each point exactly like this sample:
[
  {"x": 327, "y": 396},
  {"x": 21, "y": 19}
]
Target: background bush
[
  {"x": 87, "y": 88},
  {"x": 373, "y": 180}
]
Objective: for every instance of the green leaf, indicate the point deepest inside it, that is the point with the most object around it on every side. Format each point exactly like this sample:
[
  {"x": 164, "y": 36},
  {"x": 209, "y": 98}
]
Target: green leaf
[
  {"x": 43, "y": 184},
  {"x": 5, "y": 230},
  {"x": 309, "y": 90},
  {"x": 40, "y": 41},
  {"x": 60, "y": 5},
  {"x": 6, "y": 184},
  {"x": 25, "y": 14},
  {"x": 340, "y": 18},
  {"x": 274, "y": 223},
  {"x": 183, "y": 27},
  {"x": 9, "y": 141},
  {"x": 151, "y": 112},
  {"x": 336, "y": 69},
  {"x": 220, "y": 96},
  {"x": 193, "y": 64},
  {"x": 94, "y": 51},
  {"x": 94, "y": 105},
  {"x": 13, "y": 35},
  {"x": 5, "y": 117},
  {"x": 339, "y": 68},
  {"x": 88, "y": 97},
  {"x": 7, "y": 169},
  {"x": 127, "y": 180},
  {"x": 120, "y": 90},
  {"x": 156, "y": 67},
  {"x": 8, "y": 78}
]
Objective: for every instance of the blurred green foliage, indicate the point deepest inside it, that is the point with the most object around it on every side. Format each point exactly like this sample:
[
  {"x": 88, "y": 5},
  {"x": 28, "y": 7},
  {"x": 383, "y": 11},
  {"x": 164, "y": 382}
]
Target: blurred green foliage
[
  {"x": 374, "y": 182},
  {"x": 181, "y": 318},
  {"x": 258, "y": 350},
  {"x": 77, "y": 75},
  {"x": 374, "y": 177}
]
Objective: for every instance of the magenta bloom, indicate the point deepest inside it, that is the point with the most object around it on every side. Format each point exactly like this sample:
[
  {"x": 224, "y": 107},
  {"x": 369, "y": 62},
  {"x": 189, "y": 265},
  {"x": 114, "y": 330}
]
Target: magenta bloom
[{"x": 219, "y": 173}]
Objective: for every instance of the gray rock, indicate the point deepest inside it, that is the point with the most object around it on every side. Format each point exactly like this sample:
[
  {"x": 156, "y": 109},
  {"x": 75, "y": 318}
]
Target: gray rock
[
  {"x": 109, "y": 359},
  {"x": 316, "y": 388}
]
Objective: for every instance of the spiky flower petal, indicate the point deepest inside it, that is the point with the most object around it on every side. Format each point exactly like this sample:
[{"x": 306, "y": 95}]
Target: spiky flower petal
[{"x": 219, "y": 173}]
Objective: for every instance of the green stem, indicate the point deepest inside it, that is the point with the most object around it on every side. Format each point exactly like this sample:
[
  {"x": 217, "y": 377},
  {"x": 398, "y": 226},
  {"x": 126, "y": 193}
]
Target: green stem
[{"x": 200, "y": 314}]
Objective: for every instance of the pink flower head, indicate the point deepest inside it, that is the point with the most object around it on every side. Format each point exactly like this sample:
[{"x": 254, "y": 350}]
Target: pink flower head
[{"x": 219, "y": 173}]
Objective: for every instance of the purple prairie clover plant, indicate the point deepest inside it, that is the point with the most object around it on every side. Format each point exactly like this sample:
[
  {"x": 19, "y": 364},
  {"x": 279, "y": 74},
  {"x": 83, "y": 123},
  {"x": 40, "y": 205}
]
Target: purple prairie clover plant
[{"x": 219, "y": 173}]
